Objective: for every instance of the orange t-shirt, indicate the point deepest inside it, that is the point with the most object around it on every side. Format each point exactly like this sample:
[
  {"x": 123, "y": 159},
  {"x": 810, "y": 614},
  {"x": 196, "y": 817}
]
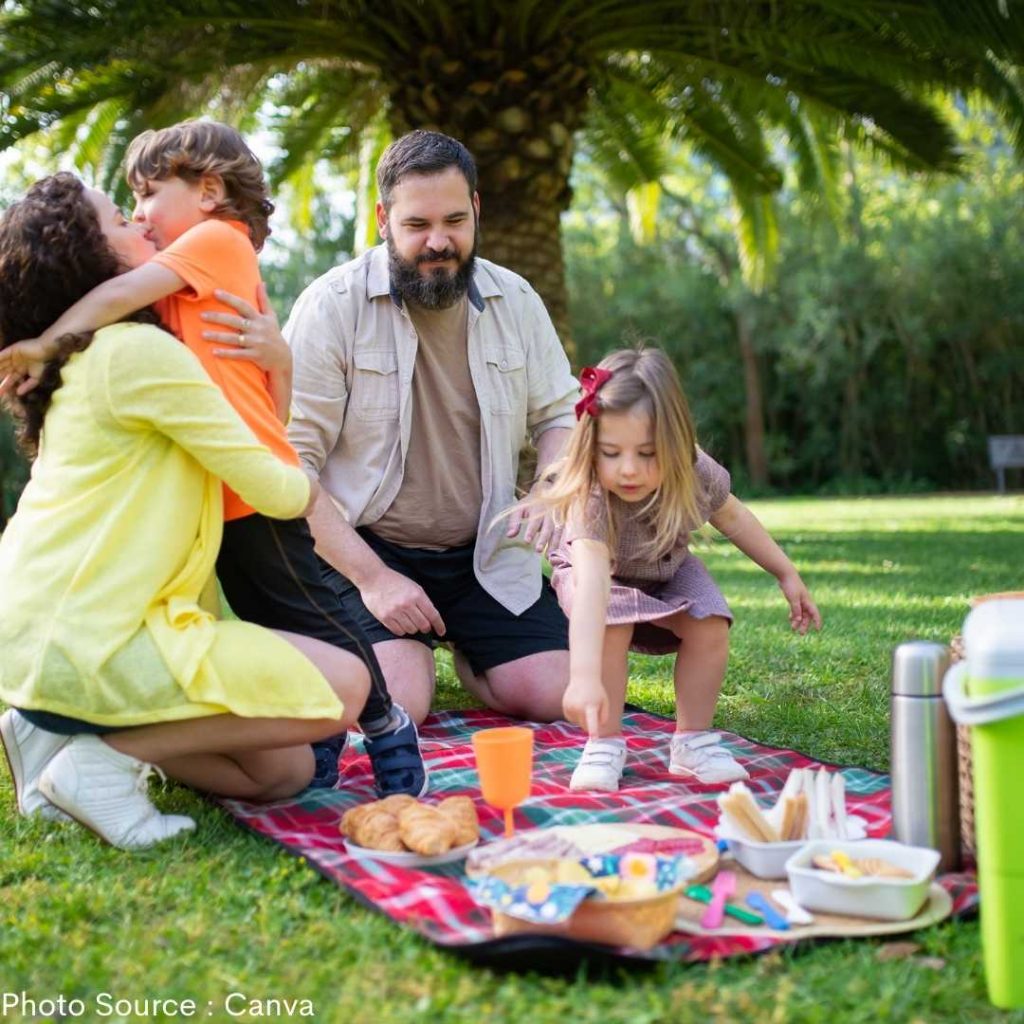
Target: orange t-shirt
[{"x": 219, "y": 254}]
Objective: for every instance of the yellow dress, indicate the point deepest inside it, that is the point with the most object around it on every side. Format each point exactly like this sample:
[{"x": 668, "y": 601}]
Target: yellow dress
[{"x": 104, "y": 564}]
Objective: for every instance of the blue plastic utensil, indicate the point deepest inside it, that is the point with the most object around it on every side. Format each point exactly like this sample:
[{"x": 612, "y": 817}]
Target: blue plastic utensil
[{"x": 772, "y": 917}]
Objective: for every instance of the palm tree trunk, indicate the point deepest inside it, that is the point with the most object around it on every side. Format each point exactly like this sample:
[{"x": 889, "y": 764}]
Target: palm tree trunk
[
  {"x": 753, "y": 424},
  {"x": 517, "y": 113}
]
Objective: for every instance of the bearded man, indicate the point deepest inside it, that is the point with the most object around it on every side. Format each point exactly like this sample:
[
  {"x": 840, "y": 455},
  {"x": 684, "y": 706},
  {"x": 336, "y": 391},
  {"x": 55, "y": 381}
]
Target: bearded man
[{"x": 419, "y": 371}]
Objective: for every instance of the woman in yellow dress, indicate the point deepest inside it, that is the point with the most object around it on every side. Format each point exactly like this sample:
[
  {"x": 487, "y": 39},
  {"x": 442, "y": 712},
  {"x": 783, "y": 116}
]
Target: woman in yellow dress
[{"x": 111, "y": 661}]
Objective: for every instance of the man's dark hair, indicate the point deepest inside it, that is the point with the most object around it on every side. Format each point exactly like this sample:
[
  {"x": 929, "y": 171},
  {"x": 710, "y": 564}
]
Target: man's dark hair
[{"x": 422, "y": 152}]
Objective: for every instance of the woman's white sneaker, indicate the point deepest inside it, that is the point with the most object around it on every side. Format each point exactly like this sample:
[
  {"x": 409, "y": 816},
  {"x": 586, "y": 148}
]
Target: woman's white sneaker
[
  {"x": 702, "y": 756},
  {"x": 105, "y": 790},
  {"x": 600, "y": 766},
  {"x": 29, "y": 750}
]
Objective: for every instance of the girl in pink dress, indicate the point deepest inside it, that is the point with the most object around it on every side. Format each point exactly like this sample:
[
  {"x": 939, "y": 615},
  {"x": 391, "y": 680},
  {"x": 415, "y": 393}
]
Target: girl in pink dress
[{"x": 631, "y": 488}]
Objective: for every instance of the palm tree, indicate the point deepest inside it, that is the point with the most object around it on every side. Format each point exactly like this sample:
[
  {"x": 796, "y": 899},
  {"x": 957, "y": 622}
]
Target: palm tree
[{"x": 519, "y": 81}]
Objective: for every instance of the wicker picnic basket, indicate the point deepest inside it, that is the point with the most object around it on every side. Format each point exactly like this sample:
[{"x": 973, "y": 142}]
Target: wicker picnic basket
[
  {"x": 641, "y": 923},
  {"x": 957, "y": 652},
  {"x": 963, "y": 749}
]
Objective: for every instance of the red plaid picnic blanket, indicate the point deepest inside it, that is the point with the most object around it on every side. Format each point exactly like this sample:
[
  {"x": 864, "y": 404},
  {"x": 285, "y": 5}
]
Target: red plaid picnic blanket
[{"x": 437, "y": 903}]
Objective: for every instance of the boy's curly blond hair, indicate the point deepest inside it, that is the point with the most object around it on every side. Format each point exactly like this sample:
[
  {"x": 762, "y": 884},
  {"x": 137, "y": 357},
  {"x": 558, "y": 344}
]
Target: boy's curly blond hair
[{"x": 189, "y": 150}]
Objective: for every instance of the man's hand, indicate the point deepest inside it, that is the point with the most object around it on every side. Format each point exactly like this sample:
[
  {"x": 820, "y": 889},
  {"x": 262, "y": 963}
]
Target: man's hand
[
  {"x": 400, "y": 604},
  {"x": 585, "y": 704},
  {"x": 22, "y": 365},
  {"x": 803, "y": 612},
  {"x": 255, "y": 334}
]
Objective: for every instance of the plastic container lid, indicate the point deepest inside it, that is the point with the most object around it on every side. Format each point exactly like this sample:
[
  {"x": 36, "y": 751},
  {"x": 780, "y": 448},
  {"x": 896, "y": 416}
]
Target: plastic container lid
[{"x": 994, "y": 639}]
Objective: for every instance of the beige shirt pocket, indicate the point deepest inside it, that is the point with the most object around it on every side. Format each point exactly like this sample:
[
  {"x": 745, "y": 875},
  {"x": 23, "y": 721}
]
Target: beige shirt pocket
[
  {"x": 374, "y": 390},
  {"x": 506, "y": 377}
]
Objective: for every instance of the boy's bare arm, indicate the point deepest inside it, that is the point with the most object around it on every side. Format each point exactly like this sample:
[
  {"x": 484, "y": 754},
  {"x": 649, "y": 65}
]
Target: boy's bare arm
[{"x": 105, "y": 304}]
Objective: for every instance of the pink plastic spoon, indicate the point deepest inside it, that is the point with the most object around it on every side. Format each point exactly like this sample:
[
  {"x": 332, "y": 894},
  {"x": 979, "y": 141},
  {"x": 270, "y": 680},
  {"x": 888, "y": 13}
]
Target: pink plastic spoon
[{"x": 722, "y": 888}]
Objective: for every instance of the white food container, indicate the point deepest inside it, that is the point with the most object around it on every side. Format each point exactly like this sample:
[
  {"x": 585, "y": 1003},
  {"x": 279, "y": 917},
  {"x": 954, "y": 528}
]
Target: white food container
[
  {"x": 768, "y": 860},
  {"x": 887, "y": 899}
]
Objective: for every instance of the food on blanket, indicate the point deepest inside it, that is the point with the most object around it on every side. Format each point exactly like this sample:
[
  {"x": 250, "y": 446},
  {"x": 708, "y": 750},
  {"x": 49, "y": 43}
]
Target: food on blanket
[
  {"x": 393, "y": 804},
  {"x": 794, "y": 818},
  {"x": 742, "y": 810},
  {"x": 540, "y": 844},
  {"x": 846, "y": 866},
  {"x": 857, "y": 867},
  {"x": 461, "y": 812},
  {"x": 663, "y": 847},
  {"x": 818, "y": 786},
  {"x": 811, "y": 805},
  {"x": 540, "y": 876},
  {"x": 401, "y": 824},
  {"x": 841, "y": 829},
  {"x": 425, "y": 830},
  {"x": 373, "y": 827}
]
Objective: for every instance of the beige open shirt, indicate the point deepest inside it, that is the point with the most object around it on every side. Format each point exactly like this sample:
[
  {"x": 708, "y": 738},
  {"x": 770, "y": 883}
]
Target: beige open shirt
[{"x": 354, "y": 349}]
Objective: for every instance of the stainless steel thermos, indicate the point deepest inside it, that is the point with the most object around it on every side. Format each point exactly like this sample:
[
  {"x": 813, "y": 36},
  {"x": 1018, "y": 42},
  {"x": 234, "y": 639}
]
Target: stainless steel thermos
[{"x": 925, "y": 782}]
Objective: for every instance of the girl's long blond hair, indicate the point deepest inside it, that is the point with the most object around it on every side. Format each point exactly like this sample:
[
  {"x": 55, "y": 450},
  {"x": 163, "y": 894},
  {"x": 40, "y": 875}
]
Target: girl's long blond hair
[{"x": 642, "y": 380}]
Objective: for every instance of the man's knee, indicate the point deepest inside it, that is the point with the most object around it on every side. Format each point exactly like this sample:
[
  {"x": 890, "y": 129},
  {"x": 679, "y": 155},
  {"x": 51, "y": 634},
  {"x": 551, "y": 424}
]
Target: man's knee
[
  {"x": 408, "y": 669},
  {"x": 530, "y": 687}
]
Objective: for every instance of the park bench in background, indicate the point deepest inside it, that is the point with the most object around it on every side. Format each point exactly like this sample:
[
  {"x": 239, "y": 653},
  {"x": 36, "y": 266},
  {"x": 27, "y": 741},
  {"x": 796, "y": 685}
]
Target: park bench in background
[{"x": 1005, "y": 451}]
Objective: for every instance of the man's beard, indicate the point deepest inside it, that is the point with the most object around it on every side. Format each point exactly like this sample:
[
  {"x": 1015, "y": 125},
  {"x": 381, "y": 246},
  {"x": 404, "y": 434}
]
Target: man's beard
[{"x": 438, "y": 289}]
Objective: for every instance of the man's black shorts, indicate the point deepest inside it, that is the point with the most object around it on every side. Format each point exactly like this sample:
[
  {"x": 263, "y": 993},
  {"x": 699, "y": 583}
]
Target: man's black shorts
[{"x": 486, "y": 632}]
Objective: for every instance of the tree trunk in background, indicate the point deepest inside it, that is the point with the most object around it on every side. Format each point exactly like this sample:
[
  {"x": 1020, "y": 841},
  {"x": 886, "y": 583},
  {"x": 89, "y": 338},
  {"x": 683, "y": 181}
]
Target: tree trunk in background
[
  {"x": 753, "y": 423},
  {"x": 517, "y": 113}
]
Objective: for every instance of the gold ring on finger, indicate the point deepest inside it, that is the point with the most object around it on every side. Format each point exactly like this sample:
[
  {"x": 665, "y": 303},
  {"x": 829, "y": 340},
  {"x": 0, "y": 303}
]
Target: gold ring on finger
[{"x": 241, "y": 339}]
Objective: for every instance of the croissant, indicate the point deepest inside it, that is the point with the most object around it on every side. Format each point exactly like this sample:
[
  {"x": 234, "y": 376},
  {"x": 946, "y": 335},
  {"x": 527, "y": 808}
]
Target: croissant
[
  {"x": 425, "y": 830},
  {"x": 378, "y": 830},
  {"x": 394, "y": 804},
  {"x": 351, "y": 818},
  {"x": 461, "y": 812}
]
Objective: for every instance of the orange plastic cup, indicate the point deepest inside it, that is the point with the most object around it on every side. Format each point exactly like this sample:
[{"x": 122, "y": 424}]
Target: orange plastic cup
[{"x": 504, "y": 761}]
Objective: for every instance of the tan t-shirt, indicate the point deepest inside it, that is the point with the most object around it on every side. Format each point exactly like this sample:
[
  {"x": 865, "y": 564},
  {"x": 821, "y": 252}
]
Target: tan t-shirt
[{"x": 438, "y": 505}]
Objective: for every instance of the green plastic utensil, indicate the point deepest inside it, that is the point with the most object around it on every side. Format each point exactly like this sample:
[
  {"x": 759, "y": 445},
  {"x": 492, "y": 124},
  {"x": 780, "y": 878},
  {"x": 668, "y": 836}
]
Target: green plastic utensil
[{"x": 702, "y": 894}]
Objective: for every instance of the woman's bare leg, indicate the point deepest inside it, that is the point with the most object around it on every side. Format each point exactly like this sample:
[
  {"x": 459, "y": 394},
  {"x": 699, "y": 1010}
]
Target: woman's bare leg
[{"x": 251, "y": 758}]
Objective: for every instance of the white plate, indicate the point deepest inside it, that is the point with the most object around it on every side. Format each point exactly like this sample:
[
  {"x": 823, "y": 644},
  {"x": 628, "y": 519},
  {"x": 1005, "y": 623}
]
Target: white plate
[{"x": 406, "y": 858}]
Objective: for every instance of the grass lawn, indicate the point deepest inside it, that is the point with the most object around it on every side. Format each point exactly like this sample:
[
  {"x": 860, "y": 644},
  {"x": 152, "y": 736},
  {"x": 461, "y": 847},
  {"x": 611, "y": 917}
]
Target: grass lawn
[{"x": 226, "y": 912}]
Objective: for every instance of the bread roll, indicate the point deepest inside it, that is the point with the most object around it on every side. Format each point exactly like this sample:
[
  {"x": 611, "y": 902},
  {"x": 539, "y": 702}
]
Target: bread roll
[
  {"x": 425, "y": 830},
  {"x": 461, "y": 812}
]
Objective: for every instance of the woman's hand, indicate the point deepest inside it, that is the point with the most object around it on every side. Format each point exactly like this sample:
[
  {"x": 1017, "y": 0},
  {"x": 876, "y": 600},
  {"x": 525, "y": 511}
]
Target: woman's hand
[
  {"x": 22, "y": 365},
  {"x": 803, "y": 612},
  {"x": 255, "y": 334},
  {"x": 585, "y": 704}
]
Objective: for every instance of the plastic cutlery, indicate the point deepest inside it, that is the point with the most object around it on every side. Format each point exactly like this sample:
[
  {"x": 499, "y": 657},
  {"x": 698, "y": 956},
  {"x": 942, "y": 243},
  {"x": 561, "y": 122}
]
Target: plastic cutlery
[
  {"x": 795, "y": 914},
  {"x": 771, "y": 916},
  {"x": 722, "y": 888},
  {"x": 702, "y": 894}
]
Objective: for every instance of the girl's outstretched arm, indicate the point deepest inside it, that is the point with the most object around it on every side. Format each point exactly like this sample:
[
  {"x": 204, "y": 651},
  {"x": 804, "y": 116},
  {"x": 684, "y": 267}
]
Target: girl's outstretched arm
[
  {"x": 106, "y": 304},
  {"x": 735, "y": 521},
  {"x": 585, "y": 702}
]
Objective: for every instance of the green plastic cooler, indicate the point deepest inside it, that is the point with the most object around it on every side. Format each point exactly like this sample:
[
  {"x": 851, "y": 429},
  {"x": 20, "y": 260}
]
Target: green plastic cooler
[{"x": 986, "y": 692}]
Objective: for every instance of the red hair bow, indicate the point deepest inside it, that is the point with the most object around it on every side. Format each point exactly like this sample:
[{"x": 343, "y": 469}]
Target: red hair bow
[{"x": 592, "y": 379}]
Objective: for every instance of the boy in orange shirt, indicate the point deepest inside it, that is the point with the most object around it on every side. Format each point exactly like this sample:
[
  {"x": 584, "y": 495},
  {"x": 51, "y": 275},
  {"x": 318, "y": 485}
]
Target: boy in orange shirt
[{"x": 201, "y": 196}]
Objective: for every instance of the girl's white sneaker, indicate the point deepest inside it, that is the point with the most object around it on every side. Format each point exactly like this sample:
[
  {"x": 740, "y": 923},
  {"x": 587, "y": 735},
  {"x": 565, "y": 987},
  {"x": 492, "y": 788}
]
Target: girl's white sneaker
[
  {"x": 701, "y": 755},
  {"x": 105, "y": 790},
  {"x": 600, "y": 766}
]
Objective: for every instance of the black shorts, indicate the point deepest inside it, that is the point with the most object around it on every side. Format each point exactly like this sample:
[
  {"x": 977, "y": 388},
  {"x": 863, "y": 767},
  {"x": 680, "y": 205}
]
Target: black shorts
[
  {"x": 270, "y": 575},
  {"x": 483, "y": 629}
]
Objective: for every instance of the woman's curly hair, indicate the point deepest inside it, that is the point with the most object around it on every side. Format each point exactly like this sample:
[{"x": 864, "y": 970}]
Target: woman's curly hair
[{"x": 52, "y": 252}]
